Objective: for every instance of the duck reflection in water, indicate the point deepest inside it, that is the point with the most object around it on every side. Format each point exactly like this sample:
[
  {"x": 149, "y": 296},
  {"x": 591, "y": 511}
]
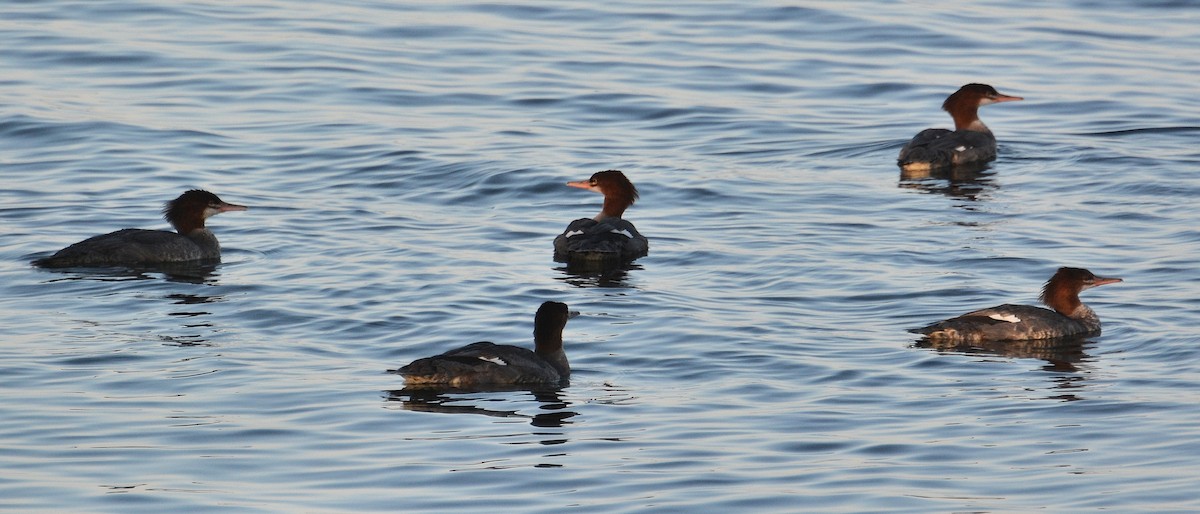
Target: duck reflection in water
[
  {"x": 193, "y": 301},
  {"x": 190, "y": 306},
  {"x": 1062, "y": 354},
  {"x": 1068, "y": 355},
  {"x": 452, "y": 401},
  {"x": 613, "y": 277},
  {"x": 181, "y": 272},
  {"x": 968, "y": 182}
]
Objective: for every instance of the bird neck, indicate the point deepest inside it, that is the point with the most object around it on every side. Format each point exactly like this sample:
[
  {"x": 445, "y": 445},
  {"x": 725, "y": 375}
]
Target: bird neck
[
  {"x": 967, "y": 118},
  {"x": 613, "y": 207}
]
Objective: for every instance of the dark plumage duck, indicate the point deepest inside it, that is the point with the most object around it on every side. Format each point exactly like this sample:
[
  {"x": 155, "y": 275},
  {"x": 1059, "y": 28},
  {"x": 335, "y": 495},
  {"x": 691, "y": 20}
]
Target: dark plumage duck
[
  {"x": 134, "y": 246},
  {"x": 485, "y": 364},
  {"x": 971, "y": 142},
  {"x": 1070, "y": 316},
  {"x": 606, "y": 238}
]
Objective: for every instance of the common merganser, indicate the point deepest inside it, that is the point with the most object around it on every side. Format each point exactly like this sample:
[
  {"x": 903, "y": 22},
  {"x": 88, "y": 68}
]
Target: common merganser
[
  {"x": 606, "y": 238},
  {"x": 1070, "y": 316},
  {"x": 135, "y": 246},
  {"x": 485, "y": 364},
  {"x": 970, "y": 142}
]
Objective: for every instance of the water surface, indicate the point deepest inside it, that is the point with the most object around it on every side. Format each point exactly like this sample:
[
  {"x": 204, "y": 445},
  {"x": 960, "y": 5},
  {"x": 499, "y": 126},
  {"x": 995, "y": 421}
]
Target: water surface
[{"x": 405, "y": 167}]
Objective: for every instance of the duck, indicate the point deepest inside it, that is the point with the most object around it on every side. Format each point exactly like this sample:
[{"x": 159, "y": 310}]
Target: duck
[
  {"x": 1066, "y": 317},
  {"x": 970, "y": 143},
  {"x": 191, "y": 241},
  {"x": 606, "y": 238},
  {"x": 486, "y": 364}
]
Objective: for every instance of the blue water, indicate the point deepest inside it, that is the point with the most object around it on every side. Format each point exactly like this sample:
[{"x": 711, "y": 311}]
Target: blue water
[{"x": 405, "y": 166}]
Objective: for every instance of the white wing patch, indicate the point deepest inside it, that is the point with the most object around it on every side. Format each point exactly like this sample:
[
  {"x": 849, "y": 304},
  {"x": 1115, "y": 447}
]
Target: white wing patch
[
  {"x": 574, "y": 233},
  {"x": 960, "y": 148},
  {"x": 493, "y": 359},
  {"x": 623, "y": 232},
  {"x": 1011, "y": 318}
]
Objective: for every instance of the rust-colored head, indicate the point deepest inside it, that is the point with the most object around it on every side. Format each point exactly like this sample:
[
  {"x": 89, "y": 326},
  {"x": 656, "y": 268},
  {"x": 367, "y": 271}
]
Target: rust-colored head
[
  {"x": 188, "y": 212},
  {"x": 619, "y": 193},
  {"x": 1061, "y": 292},
  {"x": 964, "y": 104}
]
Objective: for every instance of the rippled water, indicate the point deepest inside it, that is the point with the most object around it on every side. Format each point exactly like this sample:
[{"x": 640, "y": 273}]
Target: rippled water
[{"x": 404, "y": 164}]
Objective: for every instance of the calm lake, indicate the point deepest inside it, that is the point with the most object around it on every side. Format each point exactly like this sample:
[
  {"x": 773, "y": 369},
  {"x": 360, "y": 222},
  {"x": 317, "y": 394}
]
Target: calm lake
[{"x": 405, "y": 167}]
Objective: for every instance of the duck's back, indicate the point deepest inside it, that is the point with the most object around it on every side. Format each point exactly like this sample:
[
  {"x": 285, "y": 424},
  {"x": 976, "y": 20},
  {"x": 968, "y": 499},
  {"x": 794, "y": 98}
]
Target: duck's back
[
  {"x": 482, "y": 364},
  {"x": 586, "y": 239},
  {"x": 1006, "y": 323},
  {"x": 135, "y": 246},
  {"x": 940, "y": 148}
]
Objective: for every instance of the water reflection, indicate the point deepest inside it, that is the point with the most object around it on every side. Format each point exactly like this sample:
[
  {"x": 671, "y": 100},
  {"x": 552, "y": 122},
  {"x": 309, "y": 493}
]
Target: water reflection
[
  {"x": 189, "y": 273},
  {"x": 1066, "y": 386},
  {"x": 459, "y": 401},
  {"x": 184, "y": 273},
  {"x": 611, "y": 277},
  {"x": 188, "y": 340},
  {"x": 1064, "y": 355},
  {"x": 193, "y": 299},
  {"x": 200, "y": 322},
  {"x": 970, "y": 182}
]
